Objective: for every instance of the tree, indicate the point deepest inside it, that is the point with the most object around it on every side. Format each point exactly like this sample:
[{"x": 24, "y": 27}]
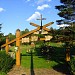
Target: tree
[
  {"x": 66, "y": 11},
  {"x": 11, "y": 36},
  {"x": 25, "y": 31}
]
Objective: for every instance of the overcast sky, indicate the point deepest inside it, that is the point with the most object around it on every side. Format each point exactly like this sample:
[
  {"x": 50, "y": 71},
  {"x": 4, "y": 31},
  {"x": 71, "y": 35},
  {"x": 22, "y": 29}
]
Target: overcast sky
[{"x": 17, "y": 14}]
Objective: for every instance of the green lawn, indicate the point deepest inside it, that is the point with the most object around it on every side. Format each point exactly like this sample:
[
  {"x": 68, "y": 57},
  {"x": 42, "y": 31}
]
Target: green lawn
[
  {"x": 31, "y": 60},
  {"x": 36, "y": 61},
  {"x": 28, "y": 60}
]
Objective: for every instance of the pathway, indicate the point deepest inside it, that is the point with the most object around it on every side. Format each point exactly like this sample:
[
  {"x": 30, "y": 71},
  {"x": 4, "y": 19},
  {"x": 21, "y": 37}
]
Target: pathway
[{"x": 22, "y": 71}]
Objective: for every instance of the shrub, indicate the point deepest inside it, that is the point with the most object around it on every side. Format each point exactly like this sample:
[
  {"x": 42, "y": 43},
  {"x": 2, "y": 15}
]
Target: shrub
[
  {"x": 72, "y": 65},
  {"x": 2, "y": 73},
  {"x": 6, "y": 62}
]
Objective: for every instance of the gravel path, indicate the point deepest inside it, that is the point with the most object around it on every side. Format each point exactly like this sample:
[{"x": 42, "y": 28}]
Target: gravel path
[{"x": 22, "y": 71}]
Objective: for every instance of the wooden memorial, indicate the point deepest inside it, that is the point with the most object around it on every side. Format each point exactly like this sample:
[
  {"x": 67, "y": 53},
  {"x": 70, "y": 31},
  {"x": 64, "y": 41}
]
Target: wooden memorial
[{"x": 23, "y": 38}]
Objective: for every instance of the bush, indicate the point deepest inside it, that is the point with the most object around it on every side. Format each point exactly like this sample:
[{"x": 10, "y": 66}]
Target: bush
[
  {"x": 2, "y": 73},
  {"x": 6, "y": 62},
  {"x": 72, "y": 65}
]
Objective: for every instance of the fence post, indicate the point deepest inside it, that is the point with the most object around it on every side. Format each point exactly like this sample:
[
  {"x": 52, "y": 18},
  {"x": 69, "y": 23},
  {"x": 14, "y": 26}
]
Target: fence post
[
  {"x": 18, "y": 45},
  {"x": 7, "y": 46},
  {"x": 68, "y": 54}
]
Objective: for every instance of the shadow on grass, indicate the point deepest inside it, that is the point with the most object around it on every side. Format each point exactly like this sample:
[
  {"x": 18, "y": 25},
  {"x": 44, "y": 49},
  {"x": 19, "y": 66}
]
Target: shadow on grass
[
  {"x": 59, "y": 57},
  {"x": 30, "y": 54},
  {"x": 62, "y": 68},
  {"x": 32, "y": 65}
]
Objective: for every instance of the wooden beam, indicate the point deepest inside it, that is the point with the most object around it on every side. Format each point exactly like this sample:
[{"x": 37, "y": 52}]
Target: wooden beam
[
  {"x": 46, "y": 29},
  {"x": 8, "y": 43},
  {"x": 29, "y": 32},
  {"x": 33, "y": 24},
  {"x": 48, "y": 24}
]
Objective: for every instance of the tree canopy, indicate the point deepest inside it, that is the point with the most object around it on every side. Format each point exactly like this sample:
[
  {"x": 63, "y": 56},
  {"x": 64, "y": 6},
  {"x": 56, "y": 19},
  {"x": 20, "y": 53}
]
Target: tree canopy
[{"x": 66, "y": 11}]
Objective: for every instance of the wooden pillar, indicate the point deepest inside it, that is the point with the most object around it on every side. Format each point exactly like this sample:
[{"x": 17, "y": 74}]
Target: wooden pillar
[
  {"x": 7, "y": 46},
  {"x": 68, "y": 54},
  {"x": 18, "y": 45}
]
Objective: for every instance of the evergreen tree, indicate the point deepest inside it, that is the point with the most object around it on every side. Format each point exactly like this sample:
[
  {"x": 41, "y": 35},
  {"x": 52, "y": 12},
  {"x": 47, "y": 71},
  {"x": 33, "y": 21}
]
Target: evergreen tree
[{"x": 66, "y": 11}]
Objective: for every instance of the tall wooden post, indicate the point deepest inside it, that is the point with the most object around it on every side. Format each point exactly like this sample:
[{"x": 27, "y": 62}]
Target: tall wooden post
[
  {"x": 7, "y": 46},
  {"x": 68, "y": 54},
  {"x": 18, "y": 45}
]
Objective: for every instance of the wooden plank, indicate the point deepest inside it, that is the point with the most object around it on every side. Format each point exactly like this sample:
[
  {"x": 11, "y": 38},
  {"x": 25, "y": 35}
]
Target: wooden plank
[
  {"x": 33, "y": 24},
  {"x": 46, "y": 29},
  {"x": 42, "y": 39},
  {"x": 48, "y": 24},
  {"x": 8, "y": 43}
]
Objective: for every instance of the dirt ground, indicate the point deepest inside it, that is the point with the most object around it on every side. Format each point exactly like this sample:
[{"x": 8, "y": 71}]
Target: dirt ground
[{"x": 22, "y": 71}]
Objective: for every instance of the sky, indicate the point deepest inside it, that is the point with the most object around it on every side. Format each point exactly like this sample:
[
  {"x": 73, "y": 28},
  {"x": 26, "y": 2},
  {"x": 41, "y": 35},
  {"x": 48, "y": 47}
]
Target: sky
[{"x": 17, "y": 14}]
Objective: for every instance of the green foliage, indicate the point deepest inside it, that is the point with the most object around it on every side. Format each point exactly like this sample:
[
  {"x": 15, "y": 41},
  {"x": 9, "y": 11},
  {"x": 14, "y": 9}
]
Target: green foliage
[
  {"x": 39, "y": 61},
  {"x": 6, "y": 62},
  {"x": 72, "y": 65},
  {"x": 11, "y": 36},
  {"x": 66, "y": 11},
  {"x": 2, "y": 40},
  {"x": 40, "y": 35},
  {"x": 40, "y": 42},
  {"x": 24, "y": 31},
  {"x": 2, "y": 73}
]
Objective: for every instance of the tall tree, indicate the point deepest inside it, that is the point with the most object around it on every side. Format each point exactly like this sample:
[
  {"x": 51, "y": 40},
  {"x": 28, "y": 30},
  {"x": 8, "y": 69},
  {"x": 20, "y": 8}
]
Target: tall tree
[{"x": 66, "y": 11}]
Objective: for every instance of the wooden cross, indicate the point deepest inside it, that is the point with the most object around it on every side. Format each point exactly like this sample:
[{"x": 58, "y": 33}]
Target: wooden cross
[
  {"x": 44, "y": 26},
  {"x": 41, "y": 20}
]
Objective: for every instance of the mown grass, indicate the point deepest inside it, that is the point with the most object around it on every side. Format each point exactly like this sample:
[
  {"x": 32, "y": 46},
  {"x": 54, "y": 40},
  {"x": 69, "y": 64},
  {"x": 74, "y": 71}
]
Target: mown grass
[
  {"x": 39, "y": 61},
  {"x": 32, "y": 60}
]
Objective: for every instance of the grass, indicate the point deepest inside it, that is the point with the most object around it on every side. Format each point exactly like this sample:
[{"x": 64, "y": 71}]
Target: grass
[
  {"x": 42, "y": 63},
  {"x": 39, "y": 61},
  {"x": 31, "y": 60}
]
